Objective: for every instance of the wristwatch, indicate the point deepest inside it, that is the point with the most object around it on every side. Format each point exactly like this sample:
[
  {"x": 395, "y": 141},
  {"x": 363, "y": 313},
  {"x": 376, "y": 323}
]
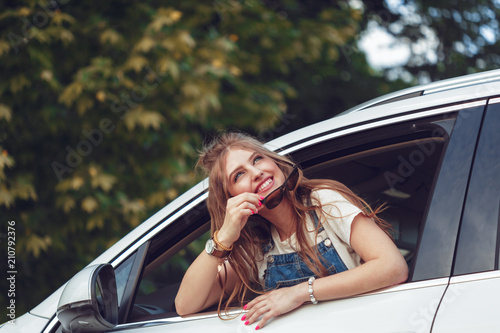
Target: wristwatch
[{"x": 212, "y": 250}]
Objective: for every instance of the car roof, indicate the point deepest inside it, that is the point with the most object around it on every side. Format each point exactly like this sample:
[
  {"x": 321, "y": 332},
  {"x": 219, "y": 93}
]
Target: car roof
[{"x": 475, "y": 79}]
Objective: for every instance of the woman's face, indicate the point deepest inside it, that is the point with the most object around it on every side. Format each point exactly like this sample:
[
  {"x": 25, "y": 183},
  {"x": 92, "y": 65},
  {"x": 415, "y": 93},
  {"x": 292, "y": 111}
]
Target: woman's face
[{"x": 248, "y": 171}]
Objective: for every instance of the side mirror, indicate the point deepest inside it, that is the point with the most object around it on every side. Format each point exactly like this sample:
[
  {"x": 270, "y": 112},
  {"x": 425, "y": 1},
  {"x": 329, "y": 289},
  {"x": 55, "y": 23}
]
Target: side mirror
[{"x": 89, "y": 302}]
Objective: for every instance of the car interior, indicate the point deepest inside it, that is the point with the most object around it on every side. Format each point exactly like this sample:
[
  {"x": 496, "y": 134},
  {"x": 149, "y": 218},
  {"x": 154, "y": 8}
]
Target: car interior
[{"x": 393, "y": 165}]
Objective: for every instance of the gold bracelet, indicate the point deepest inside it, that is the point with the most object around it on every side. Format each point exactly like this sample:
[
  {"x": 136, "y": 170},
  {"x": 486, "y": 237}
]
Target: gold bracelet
[{"x": 219, "y": 243}]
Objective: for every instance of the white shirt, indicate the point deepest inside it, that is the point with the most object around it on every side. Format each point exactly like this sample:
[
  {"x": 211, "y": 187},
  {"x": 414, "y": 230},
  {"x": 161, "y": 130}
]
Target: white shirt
[{"x": 339, "y": 214}]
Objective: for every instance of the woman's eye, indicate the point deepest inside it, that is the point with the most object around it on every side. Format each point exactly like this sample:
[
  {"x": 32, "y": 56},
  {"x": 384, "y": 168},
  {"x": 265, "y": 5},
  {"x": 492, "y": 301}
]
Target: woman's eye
[
  {"x": 238, "y": 175},
  {"x": 258, "y": 158}
]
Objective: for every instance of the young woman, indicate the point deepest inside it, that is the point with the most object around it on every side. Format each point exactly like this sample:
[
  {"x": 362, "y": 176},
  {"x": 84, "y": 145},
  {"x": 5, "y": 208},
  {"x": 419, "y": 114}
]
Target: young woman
[{"x": 290, "y": 239}]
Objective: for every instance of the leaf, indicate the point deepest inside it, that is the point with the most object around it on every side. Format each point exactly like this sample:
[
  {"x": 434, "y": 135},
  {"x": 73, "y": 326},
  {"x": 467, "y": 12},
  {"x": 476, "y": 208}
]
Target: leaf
[
  {"x": 76, "y": 182},
  {"x": 104, "y": 181},
  {"x": 68, "y": 184},
  {"x": 18, "y": 83},
  {"x": 66, "y": 203},
  {"x": 136, "y": 63},
  {"x": 132, "y": 206},
  {"x": 6, "y": 160},
  {"x": 36, "y": 244},
  {"x": 183, "y": 42},
  {"x": 164, "y": 17},
  {"x": 23, "y": 11},
  {"x": 145, "y": 44},
  {"x": 41, "y": 35},
  {"x": 168, "y": 65},
  {"x": 4, "y": 47},
  {"x": 8, "y": 13},
  {"x": 191, "y": 90},
  {"x": 85, "y": 103},
  {"x": 110, "y": 36},
  {"x": 71, "y": 93},
  {"x": 172, "y": 194},
  {"x": 59, "y": 18},
  {"x": 6, "y": 197},
  {"x": 187, "y": 39},
  {"x": 66, "y": 36},
  {"x": 23, "y": 189},
  {"x": 95, "y": 222},
  {"x": 89, "y": 204},
  {"x": 143, "y": 118},
  {"x": 157, "y": 199}
]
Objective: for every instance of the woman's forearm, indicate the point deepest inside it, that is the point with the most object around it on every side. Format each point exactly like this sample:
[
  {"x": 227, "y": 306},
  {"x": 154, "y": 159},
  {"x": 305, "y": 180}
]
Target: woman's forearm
[
  {"x": 370, "y": 276},
  {"x": 199, "y": 287}
]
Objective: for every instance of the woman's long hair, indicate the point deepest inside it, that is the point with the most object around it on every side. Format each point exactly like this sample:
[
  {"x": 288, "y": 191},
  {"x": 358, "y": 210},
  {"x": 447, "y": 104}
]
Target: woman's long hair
[{"x": 257, "y": 230}]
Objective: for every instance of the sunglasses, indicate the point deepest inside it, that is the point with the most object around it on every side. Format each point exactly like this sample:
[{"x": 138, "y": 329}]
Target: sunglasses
[{"x": 275, "y": 197}]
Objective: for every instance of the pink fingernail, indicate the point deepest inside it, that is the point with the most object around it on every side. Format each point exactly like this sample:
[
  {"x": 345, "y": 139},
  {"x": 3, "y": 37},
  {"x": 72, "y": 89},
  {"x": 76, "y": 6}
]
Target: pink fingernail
[
  {"x": 244, "y": 317},
  {"x": 261, "y": 198},
  {"x": 260, "y": 203},
  {"x": 247, "y": 322},
  {"x": 256, "y": 211},
  {"x": 252, "y": 211},
  {"x": 245, "y": 307},
  {"x": 256, "y": 328}
]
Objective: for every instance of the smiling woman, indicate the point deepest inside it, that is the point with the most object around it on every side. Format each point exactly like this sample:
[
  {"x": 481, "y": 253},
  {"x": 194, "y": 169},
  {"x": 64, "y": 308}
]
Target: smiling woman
[{"x": 267, "y": 220}]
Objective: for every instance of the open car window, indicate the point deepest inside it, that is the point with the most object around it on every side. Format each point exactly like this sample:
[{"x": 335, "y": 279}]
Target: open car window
[
  {"x": 170, "y": 254},
  {"x": 395, "y": 165},
  {"x": 397, "y": 171}
]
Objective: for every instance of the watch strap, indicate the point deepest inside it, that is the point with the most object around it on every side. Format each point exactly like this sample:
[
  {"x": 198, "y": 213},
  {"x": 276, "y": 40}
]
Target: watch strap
[{"x": 212, "y": 250}]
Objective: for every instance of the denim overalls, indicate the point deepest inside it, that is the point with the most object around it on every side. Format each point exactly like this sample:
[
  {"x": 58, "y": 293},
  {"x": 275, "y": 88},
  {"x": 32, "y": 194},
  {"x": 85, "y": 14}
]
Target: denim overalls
[{"x": 285, "y": 270}]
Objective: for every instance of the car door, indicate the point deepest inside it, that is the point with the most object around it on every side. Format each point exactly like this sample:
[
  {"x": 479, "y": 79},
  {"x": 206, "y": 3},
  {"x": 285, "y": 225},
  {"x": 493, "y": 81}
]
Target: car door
[{"x": 472, "y": 300}]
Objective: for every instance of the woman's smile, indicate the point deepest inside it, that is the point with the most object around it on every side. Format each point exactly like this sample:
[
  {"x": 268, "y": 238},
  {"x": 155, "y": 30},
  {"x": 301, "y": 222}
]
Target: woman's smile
[{"x": 265, "y": 186}]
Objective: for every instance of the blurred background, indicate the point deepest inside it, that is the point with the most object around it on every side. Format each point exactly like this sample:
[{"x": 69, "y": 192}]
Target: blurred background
[{"x": 104, "y": 104}]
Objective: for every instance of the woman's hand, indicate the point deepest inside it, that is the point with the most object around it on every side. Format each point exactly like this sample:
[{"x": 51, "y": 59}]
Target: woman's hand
[
  {"x": 275, "y": 303},
  {"x": 238, "y": 210}
]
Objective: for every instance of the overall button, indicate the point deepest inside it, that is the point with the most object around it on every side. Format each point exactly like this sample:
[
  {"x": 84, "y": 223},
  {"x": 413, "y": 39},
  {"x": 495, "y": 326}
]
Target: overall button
[
  {"x": 328, "y": 242},
  {"x": 270, "y": 259}
]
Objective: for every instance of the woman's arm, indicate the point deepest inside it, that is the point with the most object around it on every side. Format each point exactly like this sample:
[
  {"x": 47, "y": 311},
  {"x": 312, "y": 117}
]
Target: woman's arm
[
  {"x": 384, "y": 266},
  {"x": 200, "y": 286}
]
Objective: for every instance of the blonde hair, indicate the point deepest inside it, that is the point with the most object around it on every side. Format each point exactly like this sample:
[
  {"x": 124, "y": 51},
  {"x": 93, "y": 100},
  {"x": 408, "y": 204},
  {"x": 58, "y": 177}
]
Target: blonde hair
[{"x": 257, "y": 230}]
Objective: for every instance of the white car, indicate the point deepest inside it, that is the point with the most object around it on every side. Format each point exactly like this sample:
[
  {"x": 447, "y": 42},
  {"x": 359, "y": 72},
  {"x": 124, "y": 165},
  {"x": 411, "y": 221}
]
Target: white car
[{"x": 431, "y": 152}]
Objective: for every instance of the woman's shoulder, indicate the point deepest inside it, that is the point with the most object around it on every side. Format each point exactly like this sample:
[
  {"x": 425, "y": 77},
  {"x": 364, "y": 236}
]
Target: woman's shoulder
[
  {"x": 334, "y": 203},
  {"x": 327, "y": 195}
]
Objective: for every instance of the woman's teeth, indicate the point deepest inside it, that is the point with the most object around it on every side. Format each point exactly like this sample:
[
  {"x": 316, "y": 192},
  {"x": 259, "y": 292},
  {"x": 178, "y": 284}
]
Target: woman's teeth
[{"x": 266, "y": 184}]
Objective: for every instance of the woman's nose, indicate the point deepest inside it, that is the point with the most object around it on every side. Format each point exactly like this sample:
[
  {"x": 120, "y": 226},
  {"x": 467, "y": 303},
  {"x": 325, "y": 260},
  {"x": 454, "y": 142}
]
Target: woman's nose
[{"x": 257, "y": 173}]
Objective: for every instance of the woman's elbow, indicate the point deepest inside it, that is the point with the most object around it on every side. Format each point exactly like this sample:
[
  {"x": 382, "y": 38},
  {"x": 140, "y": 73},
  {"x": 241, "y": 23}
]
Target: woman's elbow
[
  {"x": 399, "y": 271},
  {"x": 181, "y": 307}
]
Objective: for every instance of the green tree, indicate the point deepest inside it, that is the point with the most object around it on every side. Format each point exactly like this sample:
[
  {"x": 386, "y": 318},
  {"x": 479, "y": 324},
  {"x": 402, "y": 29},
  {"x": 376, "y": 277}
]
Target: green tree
[
  {"x": 103, "y": 107},
  {"x": 445, "y": 38}
]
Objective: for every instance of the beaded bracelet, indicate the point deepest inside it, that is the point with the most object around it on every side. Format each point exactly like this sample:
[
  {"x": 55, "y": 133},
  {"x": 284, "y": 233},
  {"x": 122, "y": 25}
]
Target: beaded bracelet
[
  {"x": 219, "y": 243},
  {"x": 310, "y": 282}
]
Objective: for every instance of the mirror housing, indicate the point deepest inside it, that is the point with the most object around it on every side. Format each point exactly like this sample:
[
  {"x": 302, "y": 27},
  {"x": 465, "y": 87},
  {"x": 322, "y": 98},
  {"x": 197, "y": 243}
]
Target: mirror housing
[{"x": 89, "y": 302}]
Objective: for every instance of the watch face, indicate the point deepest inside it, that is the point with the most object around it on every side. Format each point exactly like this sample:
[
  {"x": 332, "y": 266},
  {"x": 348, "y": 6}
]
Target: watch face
[{"x": 210, "y": 246}]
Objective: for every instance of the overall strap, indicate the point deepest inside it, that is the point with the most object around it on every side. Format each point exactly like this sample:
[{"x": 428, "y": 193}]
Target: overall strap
[{"x": 314, "y": 215}]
